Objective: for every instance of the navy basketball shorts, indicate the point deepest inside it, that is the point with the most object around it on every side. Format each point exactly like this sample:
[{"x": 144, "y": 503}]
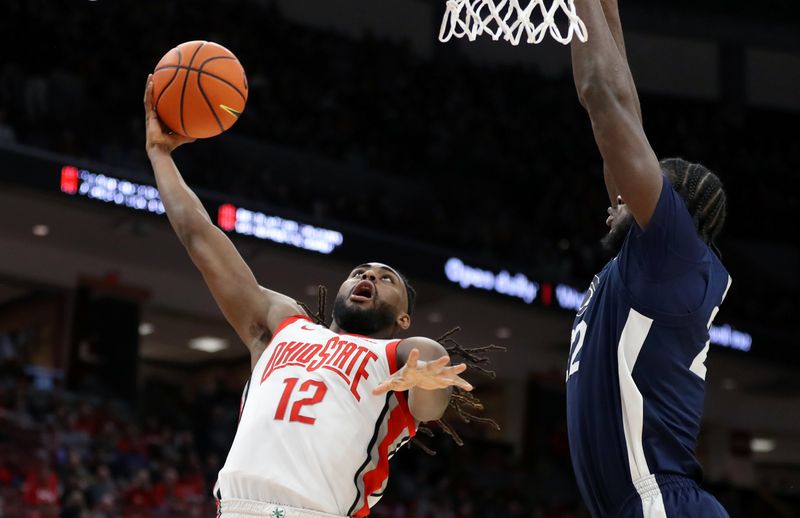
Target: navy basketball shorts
[{"x": 669, "y": 496}]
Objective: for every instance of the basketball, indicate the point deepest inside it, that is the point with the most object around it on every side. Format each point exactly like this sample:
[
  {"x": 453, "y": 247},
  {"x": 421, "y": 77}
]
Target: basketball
[{"x": 199, "y": 89}]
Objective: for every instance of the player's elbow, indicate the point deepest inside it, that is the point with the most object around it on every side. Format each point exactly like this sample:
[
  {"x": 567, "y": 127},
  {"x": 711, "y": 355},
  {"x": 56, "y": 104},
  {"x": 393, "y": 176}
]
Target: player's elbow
[
  {"x": 428, "y": 405},
  {"x": 427, "y": 416},
  {"x": 189, "y": 224},
  {"x": 187, "y": 236},
  {"x": 598, "y": 94}
]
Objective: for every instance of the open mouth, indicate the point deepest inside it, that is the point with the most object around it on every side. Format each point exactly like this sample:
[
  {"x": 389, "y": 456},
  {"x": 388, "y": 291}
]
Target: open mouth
[{"x": 363, "y": 291}]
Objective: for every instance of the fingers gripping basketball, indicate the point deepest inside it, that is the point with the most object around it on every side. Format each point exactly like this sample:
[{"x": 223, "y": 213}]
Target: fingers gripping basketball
[{"x": 199, "y": 89}]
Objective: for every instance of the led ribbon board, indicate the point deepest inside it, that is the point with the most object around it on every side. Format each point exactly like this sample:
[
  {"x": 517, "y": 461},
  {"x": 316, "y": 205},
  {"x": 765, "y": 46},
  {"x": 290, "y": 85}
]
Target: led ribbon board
[
  {"x": 566, "y": 297},
  {"x": 504, "y": 283},
  {"x": 142, "y": 197},
  {"x": 94, "y": 186},
  {"x": 278, "y": 230}
]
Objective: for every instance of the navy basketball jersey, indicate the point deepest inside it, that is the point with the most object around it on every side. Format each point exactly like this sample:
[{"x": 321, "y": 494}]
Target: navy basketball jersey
[{"x": 636, "y": 372}]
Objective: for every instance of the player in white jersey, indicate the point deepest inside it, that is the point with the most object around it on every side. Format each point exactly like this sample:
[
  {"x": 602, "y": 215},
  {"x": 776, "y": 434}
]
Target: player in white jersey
[{"x": 324, "y": 408}]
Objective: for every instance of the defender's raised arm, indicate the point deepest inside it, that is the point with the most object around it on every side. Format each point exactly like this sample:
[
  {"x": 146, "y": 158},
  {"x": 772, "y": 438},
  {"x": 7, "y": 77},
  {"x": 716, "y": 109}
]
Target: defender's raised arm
[{"x": 606, "y": 90}]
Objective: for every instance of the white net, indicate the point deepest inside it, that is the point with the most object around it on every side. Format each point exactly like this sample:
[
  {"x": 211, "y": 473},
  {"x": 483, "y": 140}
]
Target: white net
[{"x": 512, "y": 21}]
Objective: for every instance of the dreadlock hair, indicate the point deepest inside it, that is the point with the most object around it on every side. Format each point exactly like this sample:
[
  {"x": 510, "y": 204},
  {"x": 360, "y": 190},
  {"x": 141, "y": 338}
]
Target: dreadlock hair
[
  {"x": 319, "y": 316},
  {"x": 462, "y": 403},
  {"x": 704, "y": 195}
]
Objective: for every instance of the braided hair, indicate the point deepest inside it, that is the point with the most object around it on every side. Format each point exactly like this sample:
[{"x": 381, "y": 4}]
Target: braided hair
[
  {"x": 464, "y": 404},
  {"x": 704, "y": 195}
]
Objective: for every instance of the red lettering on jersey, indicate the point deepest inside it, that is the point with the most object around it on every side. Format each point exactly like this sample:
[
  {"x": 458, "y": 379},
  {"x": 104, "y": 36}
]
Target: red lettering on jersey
[
  {"x": 361, "y": 350},
  {"x": 362, "y": 373},
  {"x": 271, "y": 362},
  {"x": 309, "y": 353},
  {"x": 291, "y": 351},
  {"x": 324, "y": 355},
  {"x": 333, "y": 356},
  {"x": 349, "y": 347}
]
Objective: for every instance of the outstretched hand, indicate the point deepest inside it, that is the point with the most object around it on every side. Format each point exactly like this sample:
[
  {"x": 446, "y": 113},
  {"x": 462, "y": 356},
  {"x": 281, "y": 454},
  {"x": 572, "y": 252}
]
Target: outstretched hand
[
  {"x": 158, "y": 137},
  {"x": 431, "y": 375}
]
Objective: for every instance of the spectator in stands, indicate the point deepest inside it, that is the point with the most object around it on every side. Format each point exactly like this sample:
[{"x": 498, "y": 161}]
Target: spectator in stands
[{"x": 41, "y": 490}]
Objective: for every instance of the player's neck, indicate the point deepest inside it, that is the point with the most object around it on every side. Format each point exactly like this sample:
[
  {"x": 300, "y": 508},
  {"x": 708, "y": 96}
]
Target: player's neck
[{"x": 384, "y": 334}]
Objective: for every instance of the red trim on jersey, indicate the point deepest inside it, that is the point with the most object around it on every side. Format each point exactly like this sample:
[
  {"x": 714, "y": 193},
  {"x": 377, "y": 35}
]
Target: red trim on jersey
[
  {"x": 410, "y": 423},
  {"x": 391, "y": 356},
  {"x": 400, "y": 419},
  {"x": 374, "y": 479},
  {"x": 287, "y": 322}
]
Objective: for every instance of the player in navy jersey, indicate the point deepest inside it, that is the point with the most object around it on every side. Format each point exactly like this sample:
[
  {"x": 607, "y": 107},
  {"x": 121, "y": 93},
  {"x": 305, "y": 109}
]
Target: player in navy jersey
[{"x": 636, "y": 372}]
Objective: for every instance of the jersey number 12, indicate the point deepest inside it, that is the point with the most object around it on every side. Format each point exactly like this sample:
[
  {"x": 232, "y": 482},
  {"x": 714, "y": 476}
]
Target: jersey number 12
[{"x": 319, "y": 389}]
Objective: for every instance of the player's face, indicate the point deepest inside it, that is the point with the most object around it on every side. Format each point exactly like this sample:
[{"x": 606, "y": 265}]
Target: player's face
[
  {"x": 619, "y": 221},
  {"x": 372, "y": 299}
]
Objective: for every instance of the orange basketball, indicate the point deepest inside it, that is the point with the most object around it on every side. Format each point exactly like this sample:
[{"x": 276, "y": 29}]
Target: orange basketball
[{"x": 199, "y": 89}]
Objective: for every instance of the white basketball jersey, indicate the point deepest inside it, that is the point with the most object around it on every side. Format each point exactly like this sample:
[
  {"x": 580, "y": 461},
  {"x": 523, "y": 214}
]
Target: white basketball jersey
[{"x": 311, "y": 435}]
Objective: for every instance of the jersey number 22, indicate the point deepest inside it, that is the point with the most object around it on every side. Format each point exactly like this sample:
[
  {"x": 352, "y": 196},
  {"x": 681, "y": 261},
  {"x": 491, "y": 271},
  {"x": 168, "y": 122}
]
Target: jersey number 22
[{"x": 576, "y": 341}]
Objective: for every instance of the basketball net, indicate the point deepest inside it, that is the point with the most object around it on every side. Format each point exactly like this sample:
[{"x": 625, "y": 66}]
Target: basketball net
[{"x": 509, "y": 19}]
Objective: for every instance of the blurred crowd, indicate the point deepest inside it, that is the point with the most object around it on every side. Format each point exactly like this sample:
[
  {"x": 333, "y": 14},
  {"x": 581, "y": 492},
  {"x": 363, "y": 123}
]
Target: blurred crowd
[
  {"x": 62, "y": 455},
  {"x": 500, "y": 159},
  {"x": 70, "y": 455},
  {"x": 482, "y": 478}
]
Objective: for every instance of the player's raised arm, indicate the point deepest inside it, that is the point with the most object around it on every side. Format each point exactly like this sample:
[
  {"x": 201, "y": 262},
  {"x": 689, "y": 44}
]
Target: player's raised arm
[
  {"x": 427, "y": 376},
  {"x": 253, "y": 311},
  {"x": 606, "y": 90},
  {"x": 611, "y": 12}
]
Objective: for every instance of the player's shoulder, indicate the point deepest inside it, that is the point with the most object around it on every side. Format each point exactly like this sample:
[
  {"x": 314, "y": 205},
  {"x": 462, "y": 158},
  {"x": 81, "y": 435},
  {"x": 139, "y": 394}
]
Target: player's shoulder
[
  {"x": 670, "y": 241},
  {"x": 670, "y": 208}
]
